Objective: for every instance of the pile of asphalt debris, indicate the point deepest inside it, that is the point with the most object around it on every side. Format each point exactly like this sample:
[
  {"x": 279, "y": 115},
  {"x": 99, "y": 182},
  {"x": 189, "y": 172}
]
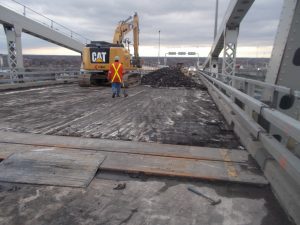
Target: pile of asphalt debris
[{"x": 170, "y": 77}]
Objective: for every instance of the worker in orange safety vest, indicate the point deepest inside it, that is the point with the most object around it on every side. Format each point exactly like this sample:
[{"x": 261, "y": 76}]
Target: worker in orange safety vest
[{"x": 115, "y": 75}]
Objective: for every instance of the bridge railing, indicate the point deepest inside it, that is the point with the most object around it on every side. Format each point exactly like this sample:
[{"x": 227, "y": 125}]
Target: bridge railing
[
  {"x": 253, "y": 114},
  {"x": 259, "y": 90},
  {"x": 24, "y": 77},
  {"x": 40, "y": 18}
]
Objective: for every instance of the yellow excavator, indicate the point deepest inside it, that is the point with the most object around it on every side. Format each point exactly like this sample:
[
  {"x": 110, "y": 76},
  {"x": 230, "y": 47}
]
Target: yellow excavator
[{"x": 97, "y": 56}]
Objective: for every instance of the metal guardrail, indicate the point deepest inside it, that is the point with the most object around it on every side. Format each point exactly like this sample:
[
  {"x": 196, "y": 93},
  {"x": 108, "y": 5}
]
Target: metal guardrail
[
  {"x": 245, "y": 84},
  {"x": 288, "y": 125},
  {"x": 40, "y": 18},
  {"x": 24, "y": 77}
]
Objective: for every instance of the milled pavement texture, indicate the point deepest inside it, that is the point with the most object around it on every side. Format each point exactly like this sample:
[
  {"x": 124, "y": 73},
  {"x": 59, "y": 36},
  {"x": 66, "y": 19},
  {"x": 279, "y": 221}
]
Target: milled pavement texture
[{"x": 163, "y": 115}]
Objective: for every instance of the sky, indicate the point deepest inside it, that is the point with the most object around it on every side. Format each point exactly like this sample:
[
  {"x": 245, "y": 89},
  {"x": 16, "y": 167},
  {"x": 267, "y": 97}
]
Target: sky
[{"x": 184, "y": 25}]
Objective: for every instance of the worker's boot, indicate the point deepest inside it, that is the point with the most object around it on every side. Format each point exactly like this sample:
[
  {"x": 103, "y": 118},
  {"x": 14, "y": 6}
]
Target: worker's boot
[{"x": 113, "y": 96}]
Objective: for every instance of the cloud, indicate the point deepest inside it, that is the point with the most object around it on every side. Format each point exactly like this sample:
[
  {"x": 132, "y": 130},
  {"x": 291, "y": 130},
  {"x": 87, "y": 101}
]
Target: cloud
[{"x": 182, "y": 23}]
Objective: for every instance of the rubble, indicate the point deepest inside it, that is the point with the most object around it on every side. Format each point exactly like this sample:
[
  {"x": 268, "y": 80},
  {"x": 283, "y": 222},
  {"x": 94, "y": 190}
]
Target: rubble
[{"x": 170, "y": 77}]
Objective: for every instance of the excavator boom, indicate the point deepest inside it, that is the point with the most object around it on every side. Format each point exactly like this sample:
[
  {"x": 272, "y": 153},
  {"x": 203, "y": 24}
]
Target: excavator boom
[{"x": 123, "y": 28}]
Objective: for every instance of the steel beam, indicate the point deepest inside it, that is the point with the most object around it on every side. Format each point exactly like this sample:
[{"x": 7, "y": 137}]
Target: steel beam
[
  {"x": 12, "y": 19},
  {"x": 230, "y": 44},
  {"x": 14, "y": 46},
  {"x": 234, "y": 15},
  {"x": 284, "y": 67}
]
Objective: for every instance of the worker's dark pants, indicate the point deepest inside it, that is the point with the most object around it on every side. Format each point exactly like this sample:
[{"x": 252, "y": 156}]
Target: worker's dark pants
[{"x": 116, "y": 88}]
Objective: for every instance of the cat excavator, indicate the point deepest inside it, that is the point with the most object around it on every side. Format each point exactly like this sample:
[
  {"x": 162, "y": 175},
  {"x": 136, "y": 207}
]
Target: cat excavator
[{"x": 98, "y": 55}]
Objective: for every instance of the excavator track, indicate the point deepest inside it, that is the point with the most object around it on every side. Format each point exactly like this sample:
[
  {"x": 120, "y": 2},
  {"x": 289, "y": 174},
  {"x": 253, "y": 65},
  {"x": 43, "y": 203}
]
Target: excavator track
[
  {"x": 132, "y": 79},
  {"x": 84, "y": 80}
]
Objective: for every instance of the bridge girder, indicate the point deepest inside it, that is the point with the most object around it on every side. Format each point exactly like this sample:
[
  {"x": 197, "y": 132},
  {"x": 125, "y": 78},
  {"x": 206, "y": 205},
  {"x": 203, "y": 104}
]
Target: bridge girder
[
  {"x": 227, "y": 35},
  {"x": 14, "y": 24}
]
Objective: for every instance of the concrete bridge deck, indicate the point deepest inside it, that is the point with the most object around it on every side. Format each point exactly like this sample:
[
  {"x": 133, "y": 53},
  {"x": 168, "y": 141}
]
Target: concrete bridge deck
[
  {"x": 40, "y": 118},
  {"x": 163, "y": 115}
]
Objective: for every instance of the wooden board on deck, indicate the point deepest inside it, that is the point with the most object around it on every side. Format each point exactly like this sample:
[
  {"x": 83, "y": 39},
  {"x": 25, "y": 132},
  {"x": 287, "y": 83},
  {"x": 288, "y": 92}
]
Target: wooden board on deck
[{"x": 51, "y": 166}]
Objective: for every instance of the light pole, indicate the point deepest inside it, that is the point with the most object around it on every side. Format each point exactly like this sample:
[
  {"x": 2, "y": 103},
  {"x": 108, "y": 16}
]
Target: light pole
[
  {"x": 165, "y": 59},
  {"x": 216, "y": 18},
  {"x": 158, "y": 58},
  {"x": 1, "y": 62}
]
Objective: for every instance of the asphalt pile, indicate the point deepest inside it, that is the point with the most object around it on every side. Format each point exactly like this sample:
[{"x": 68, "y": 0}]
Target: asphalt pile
[{"x": 170, "y": 77}]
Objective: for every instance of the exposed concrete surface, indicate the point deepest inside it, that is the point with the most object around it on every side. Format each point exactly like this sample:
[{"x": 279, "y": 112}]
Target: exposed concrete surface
[
  {"x": 143, "y": 201},
  {"x": 164, "y": 115}
]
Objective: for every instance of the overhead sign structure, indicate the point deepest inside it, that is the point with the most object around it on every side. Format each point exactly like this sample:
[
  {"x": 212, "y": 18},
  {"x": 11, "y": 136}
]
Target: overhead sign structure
[{"x": 181, "y": 53}]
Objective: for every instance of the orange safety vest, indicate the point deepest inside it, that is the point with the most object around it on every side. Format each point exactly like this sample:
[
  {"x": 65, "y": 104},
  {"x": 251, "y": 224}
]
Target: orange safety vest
[{"x": 116, "y": 72}]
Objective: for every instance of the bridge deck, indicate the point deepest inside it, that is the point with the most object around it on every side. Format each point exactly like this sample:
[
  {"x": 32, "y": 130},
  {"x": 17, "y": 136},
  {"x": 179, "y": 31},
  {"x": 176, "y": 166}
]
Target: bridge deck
[
  {"x": 145, "y": 200},
  {"x": 169, "y": 116},
  {"x": 147, "y": 115}
]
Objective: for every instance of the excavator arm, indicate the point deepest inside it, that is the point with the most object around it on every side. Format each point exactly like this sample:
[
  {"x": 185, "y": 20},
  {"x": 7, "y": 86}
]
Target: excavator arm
[{"x": 123, "y": 28}]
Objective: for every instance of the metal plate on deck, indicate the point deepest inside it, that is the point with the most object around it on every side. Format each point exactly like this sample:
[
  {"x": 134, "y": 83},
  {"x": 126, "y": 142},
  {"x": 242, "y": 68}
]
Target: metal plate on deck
[
  {"x": 226, "y": 170},
  {"x": 52, "y": 167},
  {"x": 188, "y": 168},
  {"x": 104, "y": 145}
]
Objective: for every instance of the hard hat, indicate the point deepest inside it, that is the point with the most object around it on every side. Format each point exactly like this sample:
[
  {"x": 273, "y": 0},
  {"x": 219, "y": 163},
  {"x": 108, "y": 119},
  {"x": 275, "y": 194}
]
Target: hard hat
[{"x": 117, "y": 58}]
